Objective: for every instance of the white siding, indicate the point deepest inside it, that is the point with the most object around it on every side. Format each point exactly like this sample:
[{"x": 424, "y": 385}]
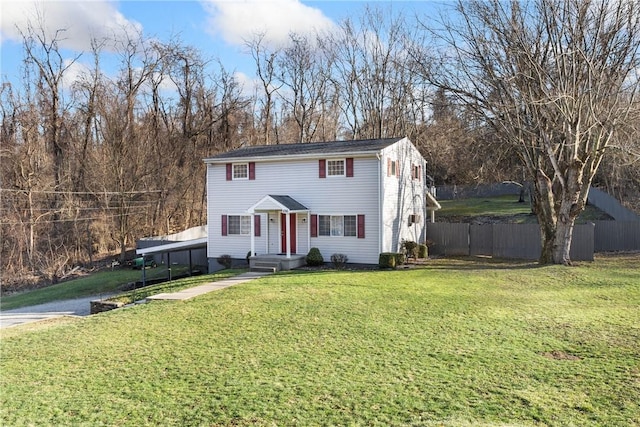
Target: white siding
[
  {"x": 402, "y": 196},
  {"x": 300, "y": 180}
]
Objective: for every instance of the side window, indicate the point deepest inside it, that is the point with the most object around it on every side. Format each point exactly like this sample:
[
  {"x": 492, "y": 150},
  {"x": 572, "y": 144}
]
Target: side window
[
  {"x": 416, "y": 172},
  {"x": 393, "y": 168}
]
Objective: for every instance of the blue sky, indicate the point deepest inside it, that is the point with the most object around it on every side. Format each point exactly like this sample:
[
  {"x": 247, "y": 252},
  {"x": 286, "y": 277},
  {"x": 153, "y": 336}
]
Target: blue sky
[{"x": 215, "y": 27}]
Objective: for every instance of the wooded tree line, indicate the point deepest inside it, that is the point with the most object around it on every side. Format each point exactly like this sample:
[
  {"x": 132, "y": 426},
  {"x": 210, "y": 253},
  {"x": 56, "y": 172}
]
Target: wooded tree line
[{"x": 90, "y": 165}]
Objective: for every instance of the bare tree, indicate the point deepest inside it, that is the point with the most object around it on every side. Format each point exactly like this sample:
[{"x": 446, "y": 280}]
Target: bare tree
[
  {"x": 304, "y": 75},
  {"x": 44, "y": 53},
  {"x": 556, "y": 80},
  {"x": 376, "y": 92},
  {"x": 265, "y": 60}
]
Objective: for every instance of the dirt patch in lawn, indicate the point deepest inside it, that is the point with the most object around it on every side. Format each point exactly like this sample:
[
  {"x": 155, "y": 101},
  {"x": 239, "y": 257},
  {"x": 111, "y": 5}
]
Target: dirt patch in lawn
[{"x": 560, "y": 355}]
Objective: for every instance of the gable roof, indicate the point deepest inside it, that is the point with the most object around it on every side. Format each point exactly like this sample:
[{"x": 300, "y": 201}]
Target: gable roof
[
  {"x": 283, "y": 203},
  {"x": 311, "y": 149}
]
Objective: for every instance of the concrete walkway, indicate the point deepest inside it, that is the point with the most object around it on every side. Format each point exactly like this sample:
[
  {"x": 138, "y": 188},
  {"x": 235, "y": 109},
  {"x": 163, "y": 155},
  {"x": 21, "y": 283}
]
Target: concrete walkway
[
  {"x": 186, "y": 294},
  {"x": 82, "y": 306}
]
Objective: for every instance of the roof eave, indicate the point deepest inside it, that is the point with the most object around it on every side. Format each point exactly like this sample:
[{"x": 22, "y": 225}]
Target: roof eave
[{"x": 292, "y": 156}]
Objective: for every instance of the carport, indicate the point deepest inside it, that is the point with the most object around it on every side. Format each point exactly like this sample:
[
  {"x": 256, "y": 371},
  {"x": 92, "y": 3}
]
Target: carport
[{"x": 168, "y": 249}]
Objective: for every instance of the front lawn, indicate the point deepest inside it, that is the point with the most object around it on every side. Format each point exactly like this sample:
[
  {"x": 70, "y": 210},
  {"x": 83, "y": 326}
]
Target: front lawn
[{"x": 459, "y": 342}]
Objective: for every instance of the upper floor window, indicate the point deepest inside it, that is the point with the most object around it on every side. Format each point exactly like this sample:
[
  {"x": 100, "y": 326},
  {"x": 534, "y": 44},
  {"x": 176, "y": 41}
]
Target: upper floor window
[
  {"x": 392, "y": 167},
  {"x": 416, "y": 172},
  {"x": 341, "y": 167},
  {"x": 241, "y": 171},
  {"x": 335, "y": 167}
]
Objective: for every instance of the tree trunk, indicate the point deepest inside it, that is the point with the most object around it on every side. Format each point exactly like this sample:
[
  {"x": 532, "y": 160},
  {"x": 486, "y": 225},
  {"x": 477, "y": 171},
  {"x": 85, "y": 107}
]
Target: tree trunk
[
  {"x": 543, "y": 207},
  {"x": 562, "y": 243}
]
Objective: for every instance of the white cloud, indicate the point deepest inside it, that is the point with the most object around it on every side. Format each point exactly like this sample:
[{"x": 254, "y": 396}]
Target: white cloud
[
  {"x": 80, "y": 20},
  {"x": 238, "y": 21}
]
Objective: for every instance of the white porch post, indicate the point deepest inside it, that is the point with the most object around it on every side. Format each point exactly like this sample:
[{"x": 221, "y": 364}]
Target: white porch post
[
  {"x": 308, "y": 231},
  {"x": 266, "y": 246},
  {"x": 253, "y": 232},
  {"x": 288, "y": 236}
]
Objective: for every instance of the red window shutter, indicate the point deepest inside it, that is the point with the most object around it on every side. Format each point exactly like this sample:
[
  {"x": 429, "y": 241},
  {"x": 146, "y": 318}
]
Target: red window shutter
[
  {"x": 420, "y": 173},
  {"x": 252, "y": 170},
  {"x": 360, "y": 226},
  {"x": 256, "y": 225},
  {"x": 388, "y": 166},
  {"x": 314, "y": 225},
  {"x": 229, "y": 172},
  {"x": 414, "y": 171},
  {"x": 349, "y": 166},
  {"x": 224, "y": 225},
  {"x": 322, "y": 171},
  {"x": 397, "y": 168}
]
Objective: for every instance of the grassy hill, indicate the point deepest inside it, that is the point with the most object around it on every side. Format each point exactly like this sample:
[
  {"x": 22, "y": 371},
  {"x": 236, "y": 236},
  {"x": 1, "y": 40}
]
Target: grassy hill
[
  {"x": 459, "y": 342},
  {"x": 486, "y": 210}
]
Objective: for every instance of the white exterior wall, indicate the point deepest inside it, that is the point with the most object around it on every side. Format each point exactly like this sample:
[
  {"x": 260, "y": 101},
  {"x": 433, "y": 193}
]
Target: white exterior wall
[
  {"x": 300, "y": 180},
  {"x": 402, "y": 197}
]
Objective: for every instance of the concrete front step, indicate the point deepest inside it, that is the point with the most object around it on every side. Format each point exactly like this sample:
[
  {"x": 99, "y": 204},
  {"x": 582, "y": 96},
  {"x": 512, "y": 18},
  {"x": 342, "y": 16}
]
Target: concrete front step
[
  {"x": 270, "y": 266},
  {"x": 264, "y": 269}
]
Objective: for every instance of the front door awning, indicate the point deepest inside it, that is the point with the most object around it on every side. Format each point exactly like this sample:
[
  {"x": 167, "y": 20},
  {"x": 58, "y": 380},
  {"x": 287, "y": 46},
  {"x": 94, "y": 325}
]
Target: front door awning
[{"x": 285, "y": 204}]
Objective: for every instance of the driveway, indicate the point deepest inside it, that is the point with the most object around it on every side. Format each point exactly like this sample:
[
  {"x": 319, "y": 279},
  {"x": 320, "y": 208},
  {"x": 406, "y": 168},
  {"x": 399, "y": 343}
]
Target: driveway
[{"x": 50, "y": 310}]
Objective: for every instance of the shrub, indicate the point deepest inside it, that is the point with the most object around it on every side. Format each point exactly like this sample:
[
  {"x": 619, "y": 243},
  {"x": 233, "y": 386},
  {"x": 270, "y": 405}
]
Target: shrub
[
  {"x": 314, "y": 257},
  {"x": 225, "y": 261},
  {"x": 423, "y": 251},
  {"x": 400, "y": 258},
  {"x": 410, "y": 248},
  {"x": 339, "y": 260},
  {"x": 388, "y": 260}
]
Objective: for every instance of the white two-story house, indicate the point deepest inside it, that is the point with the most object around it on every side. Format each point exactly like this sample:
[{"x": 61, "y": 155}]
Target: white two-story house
[{"x": 358, "y": 198}]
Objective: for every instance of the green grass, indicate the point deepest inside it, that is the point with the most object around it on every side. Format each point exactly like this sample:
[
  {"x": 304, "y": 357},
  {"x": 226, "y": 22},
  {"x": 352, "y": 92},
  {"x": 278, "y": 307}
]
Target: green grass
[
  {"x": 490, "y": 206},
  {"x": 460, "y": 342},
  {"x": 102, "y": 282},
  {"x": 506, "y": 208}
]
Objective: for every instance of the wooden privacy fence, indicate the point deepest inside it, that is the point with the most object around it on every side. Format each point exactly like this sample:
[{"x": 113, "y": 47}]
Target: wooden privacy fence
[
  {"x": 519, "y": 241},
  {"x": 617, "y": 236}
]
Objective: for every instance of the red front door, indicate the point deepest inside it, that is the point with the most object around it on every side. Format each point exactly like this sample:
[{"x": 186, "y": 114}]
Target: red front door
[{"x": 283, "y": 232}]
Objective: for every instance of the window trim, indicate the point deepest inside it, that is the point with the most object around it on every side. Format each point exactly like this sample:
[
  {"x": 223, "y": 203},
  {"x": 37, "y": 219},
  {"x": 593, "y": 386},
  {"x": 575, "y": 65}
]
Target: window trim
[
  {"x": 240, "y": 233},
  {"x": 344, "y": 168},
  {"x": 393, "y": 167},
  {"x": 233, "y": 171},
  {"x": 331, "y": 228}
]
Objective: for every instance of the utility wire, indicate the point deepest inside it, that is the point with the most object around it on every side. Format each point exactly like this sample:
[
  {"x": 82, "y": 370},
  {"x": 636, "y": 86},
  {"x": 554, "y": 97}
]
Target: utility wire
[{"x": 91, "y": 193}]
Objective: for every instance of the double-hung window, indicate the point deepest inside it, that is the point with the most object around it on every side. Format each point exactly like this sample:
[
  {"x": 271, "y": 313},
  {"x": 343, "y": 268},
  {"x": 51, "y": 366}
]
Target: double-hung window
[
  {"x": 240, "y": 171},
  {"x": 350, "y": 226},
  {"x": 337, "y": 225},
  {"x": 239, "y": 225},
  {"x": 335, "y": 167}
]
